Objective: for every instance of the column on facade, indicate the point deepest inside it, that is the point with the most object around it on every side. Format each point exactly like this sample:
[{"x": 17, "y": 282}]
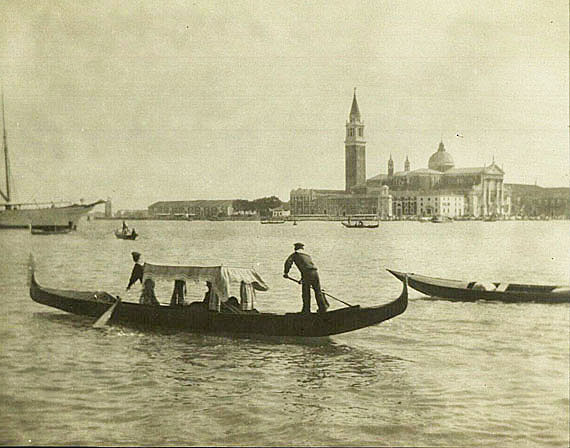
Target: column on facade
[
  {"x": 502, "y": 199},
  {"x": 497, "y": 198},
  {"x": 484, "y": 187}
]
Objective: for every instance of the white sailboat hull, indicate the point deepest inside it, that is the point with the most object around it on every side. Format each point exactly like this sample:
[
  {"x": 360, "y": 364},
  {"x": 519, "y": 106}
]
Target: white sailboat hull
[
  {"x": 35, "y": 215},
  {"x": 43, "y": 217}
]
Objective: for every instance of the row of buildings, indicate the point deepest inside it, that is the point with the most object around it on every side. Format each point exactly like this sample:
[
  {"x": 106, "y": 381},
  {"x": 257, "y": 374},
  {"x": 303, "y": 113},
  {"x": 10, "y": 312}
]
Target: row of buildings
[
  {"x": 439, "y": 189},
  {"x": 525, "y": 200}
]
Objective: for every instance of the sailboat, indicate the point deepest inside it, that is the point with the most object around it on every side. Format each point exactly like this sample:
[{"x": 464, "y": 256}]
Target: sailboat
[{"x": 38, "y": 215}]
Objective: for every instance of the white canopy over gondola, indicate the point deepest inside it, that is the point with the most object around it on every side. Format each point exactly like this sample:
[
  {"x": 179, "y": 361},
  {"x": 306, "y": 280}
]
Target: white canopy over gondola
[{"x": 222, "y": 278}]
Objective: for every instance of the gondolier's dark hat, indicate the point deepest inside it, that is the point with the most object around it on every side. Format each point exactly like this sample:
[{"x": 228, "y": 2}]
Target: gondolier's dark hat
[
  {"x": 136, "y": 254},
  {"x": 298, "y": 246}
]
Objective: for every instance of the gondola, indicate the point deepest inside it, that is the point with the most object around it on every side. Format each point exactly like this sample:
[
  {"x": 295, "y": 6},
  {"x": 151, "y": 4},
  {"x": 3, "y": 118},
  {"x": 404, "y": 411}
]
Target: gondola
[
  {"x": 440, "y": 219},
  {"x": 126, "y": 236},
  {"x": 273, "y": 221},
  {"x": 360, "y": 225},
  {"x": 196, "y": 318},
  {"x": 463, "y": 291},
  {"x": 50, "y": 230}
]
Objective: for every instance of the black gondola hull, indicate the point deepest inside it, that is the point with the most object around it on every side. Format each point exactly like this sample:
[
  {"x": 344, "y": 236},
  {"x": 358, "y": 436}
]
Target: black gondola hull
[
  {"x": 362, "y": 226},
  {"x": 518, "y": 293},
  {"x": 196, "y": 319}
]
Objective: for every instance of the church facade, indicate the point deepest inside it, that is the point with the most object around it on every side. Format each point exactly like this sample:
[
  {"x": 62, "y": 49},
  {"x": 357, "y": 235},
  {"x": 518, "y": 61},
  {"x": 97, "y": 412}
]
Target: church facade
[{"x": 439, "y": 189}]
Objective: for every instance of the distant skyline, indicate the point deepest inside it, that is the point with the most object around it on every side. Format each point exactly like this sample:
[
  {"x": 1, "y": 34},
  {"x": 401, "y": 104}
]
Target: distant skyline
[{"x": 224, "y": 100}]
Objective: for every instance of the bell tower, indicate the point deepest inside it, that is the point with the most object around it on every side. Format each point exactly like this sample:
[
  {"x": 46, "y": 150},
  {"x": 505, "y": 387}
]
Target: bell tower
[
  {"x": 407, "y": 164},
  {"x": 390, "y": 166},
  {"x": 354, "y": 148}
]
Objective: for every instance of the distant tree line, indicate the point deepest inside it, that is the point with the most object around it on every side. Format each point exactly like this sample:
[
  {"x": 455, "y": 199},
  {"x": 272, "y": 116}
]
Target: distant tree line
[{"x": 262, "y": 205}]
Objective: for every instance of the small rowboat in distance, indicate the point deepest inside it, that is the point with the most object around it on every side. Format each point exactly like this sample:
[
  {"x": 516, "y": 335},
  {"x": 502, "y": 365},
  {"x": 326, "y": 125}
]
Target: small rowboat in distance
[
  {"x": 201, "y": 319},
  {"x": 360, "y": 225},
  {"x": 273, "y": 221},
  {"x": 464, "y": 291},
  {"x": 126, "y": 235},
  {"x": 440, "y": 219}
]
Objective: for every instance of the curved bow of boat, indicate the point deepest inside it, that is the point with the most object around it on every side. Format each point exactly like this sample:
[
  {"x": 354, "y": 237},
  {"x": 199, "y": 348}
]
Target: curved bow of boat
[
  {"x": 399, "y": 305},
  {"x": 356, "y": 317},
  {"x": 399, "y": 275}
]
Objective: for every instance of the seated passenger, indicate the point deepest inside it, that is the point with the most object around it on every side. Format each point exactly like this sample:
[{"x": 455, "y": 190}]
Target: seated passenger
[
  {"x": 210, "y": 297},
  {"x": 177, "y": 298},
  {"x": 147, "y": 296},
  {"x": 247, "y": 295},
  {"x": 231, "y": 306}
]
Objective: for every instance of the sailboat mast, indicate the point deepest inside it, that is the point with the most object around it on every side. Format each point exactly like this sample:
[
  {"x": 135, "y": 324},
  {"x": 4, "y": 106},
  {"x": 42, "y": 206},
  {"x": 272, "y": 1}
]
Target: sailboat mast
[{"x": 6, "y": 159}]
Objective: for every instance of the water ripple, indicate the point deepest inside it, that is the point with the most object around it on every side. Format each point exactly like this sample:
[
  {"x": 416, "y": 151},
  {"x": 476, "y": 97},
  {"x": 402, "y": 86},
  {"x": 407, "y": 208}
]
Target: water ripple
[{"x": 442, "y": 374}]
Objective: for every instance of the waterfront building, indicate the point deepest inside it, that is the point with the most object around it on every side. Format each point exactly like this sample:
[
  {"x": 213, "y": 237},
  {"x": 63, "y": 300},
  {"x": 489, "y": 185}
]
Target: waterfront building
[
  {"x": 536, "y": 201},
  {"x": 440, "y": 203},
  {"x": 187, "y": 209},
  {"x": 450, "y": 191},
  {"x": 131, "y": 214},
  {"x": 280, "y": 212},
  {"x": 481, "y": 188}
]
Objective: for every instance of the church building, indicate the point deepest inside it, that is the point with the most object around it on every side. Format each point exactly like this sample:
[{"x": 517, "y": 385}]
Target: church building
[{"x": 439, "y": 189}]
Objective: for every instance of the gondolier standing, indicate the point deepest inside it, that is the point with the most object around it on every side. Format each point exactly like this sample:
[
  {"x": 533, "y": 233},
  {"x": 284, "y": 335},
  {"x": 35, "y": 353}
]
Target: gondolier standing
[{"x": 309, "y": 278}]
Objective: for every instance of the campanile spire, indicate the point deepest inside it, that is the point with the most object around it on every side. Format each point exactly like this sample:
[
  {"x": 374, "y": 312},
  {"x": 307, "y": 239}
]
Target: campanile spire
[
  {"x": 355, "y": 148},
  {"x": 354, "y": 111}
]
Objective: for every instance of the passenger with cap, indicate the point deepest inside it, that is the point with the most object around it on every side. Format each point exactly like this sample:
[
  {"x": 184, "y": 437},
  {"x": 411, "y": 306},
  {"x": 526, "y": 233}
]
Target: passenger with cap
[
  {"x": 137, "y": 272},
  {"x": 309, "y": 278}
]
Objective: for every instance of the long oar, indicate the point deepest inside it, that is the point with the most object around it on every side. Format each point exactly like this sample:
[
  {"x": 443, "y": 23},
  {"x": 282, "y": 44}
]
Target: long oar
[
  {"x": 323, "y": 291},
  {"x": 106, "y": 316}
]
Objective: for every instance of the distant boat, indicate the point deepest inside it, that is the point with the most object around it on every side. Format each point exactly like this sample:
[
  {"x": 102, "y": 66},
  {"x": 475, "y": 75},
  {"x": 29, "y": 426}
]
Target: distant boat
[
  {"x": 126, "y": 235},
  {"x": 53, "y": 230},
  {"x": 272, "y": 221},
  {"x": 425, "y": 219},
  {"x": 24, "y": 215},
  {"x": 440, "y": 219},
  {"x": 360, "y": 225},
  {"x": 464, "y": 291}
]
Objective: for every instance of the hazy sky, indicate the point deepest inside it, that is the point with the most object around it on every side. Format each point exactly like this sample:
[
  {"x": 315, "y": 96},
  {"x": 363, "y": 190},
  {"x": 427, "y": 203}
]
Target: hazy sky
[{"x": 147, "y": 101}]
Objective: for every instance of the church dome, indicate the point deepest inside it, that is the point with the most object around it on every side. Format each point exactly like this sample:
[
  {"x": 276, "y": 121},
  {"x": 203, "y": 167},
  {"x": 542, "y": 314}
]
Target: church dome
[{"x": 441, "y": 160}]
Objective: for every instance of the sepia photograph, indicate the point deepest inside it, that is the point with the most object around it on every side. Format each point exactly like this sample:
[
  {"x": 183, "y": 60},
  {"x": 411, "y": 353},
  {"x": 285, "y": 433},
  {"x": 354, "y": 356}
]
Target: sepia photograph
[{"x": 267, "y": 223}]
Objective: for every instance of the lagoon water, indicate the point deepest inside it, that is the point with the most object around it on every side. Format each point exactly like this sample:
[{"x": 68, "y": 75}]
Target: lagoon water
[{"x": 441, "y": 374}]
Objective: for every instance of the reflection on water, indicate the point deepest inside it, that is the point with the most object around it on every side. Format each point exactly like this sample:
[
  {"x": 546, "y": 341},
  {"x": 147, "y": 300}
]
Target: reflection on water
[{"x": 441, "y": 374}]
